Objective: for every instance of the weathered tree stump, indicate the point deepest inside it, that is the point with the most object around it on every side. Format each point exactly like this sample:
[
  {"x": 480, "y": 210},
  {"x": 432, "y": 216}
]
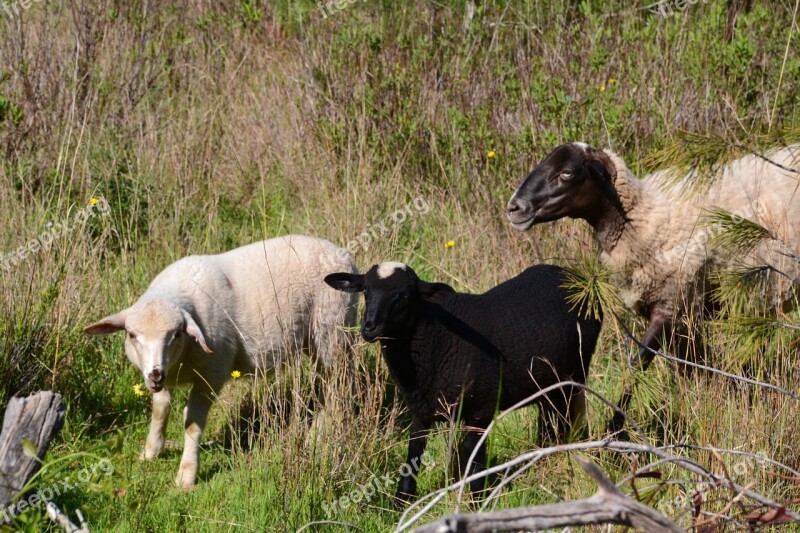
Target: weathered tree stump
[{"x": 29, "y": 426}]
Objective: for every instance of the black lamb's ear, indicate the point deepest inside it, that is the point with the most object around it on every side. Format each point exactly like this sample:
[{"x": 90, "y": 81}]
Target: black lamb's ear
[
  {"x": 431, "y": 291},
  {"x": 596, "y": 164},
  {"x": 345, "y": 281}
]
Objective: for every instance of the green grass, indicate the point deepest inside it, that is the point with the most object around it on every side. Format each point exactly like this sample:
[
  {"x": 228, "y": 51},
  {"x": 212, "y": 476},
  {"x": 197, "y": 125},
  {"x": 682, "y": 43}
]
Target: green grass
[{"x": 209, "y": 127}]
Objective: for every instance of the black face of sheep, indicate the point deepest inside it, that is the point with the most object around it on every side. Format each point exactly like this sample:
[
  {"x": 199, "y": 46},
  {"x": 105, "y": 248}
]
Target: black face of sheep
[
  {"x": 569, "y": 182},
  {"x": 392, "y": 292}
]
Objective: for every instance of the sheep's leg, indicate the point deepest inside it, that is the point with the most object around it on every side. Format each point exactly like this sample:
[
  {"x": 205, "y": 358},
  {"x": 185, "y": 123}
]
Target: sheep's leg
[
  {"x": 659, "y": 324},
  {"x": 407, "y": 487},
  {"x": 478, "y": 464},
  {"x": 154, "y": 444},
  {"x": 195, "y": 415},
  {"x": 577, "y": 408}
]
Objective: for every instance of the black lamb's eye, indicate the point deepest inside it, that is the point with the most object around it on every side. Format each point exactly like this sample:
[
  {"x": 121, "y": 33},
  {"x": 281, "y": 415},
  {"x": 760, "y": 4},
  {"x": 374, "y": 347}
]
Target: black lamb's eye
[{"x": 567, "y": 175}]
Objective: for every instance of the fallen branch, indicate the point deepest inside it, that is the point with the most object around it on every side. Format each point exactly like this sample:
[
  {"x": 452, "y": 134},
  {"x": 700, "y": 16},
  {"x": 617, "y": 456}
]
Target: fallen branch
[
  {"x": 608, "y": 506},
  {"x": 63, "y": 521},
  {"x": 710, "y": 369},
  {"x": 429, "y": 501}
]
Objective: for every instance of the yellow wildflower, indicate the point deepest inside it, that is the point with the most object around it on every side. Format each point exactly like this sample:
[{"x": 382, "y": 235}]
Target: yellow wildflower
[
  {"x": 450, "y": 244},
  {"x": 602, "y": 88},
  {"x": 611, "y": 81},
  {"x": 93, "y": 201},
  {"x": 138, "y": 390},
  {"x": 236, "y": 374},
  {"x": 490, "y": 154}
]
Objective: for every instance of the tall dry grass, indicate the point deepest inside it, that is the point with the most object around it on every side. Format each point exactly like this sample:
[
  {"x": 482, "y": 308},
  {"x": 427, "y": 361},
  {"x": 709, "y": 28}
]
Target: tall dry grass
[{"x": 206, "y": 126}]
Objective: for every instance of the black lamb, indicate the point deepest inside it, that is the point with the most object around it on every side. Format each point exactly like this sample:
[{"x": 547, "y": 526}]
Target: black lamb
[{"x": 470, "y": 355}]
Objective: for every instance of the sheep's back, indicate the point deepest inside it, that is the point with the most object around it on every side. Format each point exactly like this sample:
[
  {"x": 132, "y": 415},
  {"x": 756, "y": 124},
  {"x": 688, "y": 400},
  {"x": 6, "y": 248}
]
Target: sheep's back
[
  {"x": 525, "y": 329},
  {"x": 262, "y": 294}
]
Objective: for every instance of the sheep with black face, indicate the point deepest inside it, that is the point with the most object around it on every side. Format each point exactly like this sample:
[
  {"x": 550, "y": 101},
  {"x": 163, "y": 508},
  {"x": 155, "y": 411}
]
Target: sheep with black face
[
  {"x": 474, "y": 353},
  {"x": 652, "y": 234}
]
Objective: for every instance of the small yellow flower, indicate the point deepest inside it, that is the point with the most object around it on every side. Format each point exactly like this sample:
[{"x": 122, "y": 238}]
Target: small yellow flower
[
  {"x": 138, "y": 390},
  {"x": 236, "y": 374},
  {"x": 450, "y": 244},
  {"x": 490, "y": 154},
  {"x": 602, "y": 88},
  {"x": 612, "y": 81},
  {"x": 93, "y": 201}
]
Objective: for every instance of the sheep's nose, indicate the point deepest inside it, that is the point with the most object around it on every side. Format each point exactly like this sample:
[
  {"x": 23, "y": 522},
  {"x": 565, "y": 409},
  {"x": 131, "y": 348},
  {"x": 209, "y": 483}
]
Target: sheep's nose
[
  {"x": 369, "y": 330},
  {"x": 156, "y": 376},
  {"x": 517, "y": 207}
]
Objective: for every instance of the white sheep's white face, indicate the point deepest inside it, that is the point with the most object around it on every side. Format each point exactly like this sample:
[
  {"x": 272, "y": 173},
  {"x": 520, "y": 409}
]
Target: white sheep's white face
[
  {"x": 155, "y": 332},
  {"x": 153, "y": 341}
]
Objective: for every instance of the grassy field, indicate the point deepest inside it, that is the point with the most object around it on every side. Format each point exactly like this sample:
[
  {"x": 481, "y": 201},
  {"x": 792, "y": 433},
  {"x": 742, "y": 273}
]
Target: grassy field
[{"x": 194, "y": 127}]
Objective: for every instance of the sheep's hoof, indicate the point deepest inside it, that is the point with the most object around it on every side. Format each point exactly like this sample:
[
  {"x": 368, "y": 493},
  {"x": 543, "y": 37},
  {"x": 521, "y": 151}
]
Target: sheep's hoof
[
  {"x": 186, "y": 476},
  {"x": 617, "y": 423},
  {"x": 401, "y": 500},
  {"x": 148, "y": 454}
]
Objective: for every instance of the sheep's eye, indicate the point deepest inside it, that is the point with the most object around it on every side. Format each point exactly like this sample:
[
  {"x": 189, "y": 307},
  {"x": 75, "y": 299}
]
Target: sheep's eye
[
  {"x": 567, "y": 175},
  {"x": 132, "y": 335}
]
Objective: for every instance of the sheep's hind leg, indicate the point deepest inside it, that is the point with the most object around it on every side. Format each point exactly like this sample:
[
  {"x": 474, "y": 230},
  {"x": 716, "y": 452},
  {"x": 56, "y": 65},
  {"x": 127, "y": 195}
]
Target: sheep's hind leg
[
  {"x": 478, "y": 486},
  {"x": 660, "y": 323},
  {"x": 195, "y": 415},
  {"x": 154, "y": 444},
  {"x": 407, "y": 487}
]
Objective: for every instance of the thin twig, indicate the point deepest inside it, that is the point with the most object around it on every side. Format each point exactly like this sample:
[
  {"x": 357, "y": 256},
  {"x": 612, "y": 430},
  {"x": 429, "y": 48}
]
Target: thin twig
[
  {"x": 530, "y": 399},
  {"x": 330, "y": 523},
  {"x": 713, "y": 370},
  {"x": 765, "y": 158}
]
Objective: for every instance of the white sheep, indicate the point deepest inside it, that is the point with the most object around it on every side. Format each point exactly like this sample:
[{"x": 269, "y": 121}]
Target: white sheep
[
  {"x": 653, "y": 235},
  {"x": 205, "y": 316}
]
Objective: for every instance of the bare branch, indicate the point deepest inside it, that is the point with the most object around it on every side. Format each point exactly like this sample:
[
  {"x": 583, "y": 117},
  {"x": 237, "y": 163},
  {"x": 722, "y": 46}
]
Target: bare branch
[
  {"x": 608, "y": 506},
  {"x": 63, "y": 521},
  {"x": 533, "y": 397},
  {"x": 713, "y": 370},
  {"x": 612, "y": 445}
]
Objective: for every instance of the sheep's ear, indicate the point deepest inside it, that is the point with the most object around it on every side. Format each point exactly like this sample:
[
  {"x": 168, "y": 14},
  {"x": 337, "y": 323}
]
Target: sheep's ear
[
  {"x": 596, "y": 164},
  {"x": 191, "y": 328},
  {"x": 109, "y": 324},
  {"x": 432, "y": 291},
  {"x": 344, "y": 281}
]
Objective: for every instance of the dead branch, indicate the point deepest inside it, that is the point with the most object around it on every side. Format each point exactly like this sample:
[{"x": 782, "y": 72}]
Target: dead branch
[
  {"x": 530, "y": 399},
  {"x": 608, "y": 506},
  {"x": 63, "y": 521},
  {"x": 427, "y": 502}
]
